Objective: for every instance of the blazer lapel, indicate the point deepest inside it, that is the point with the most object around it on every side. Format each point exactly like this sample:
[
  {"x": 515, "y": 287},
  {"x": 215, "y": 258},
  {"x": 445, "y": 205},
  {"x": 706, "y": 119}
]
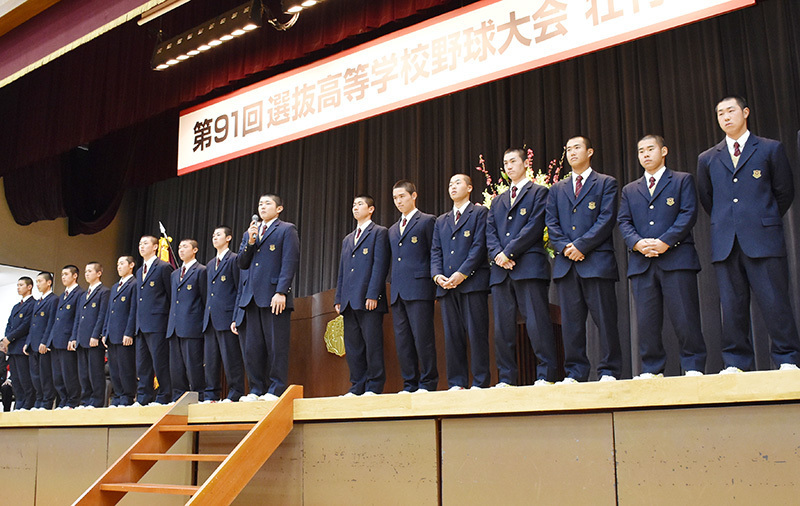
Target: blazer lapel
[
  {"x": 269, "y": 232},
  {"x": 464, "y": 217},
  {"x": 186, "y": 275},
  {"x": 409, "y": 225},
  {"x": 750, "y": 147},
  {"x": 587, "y": 186},
  {"x": 665, "y": 180},
  {"x": 364, "y": 234},
  {"x": 725, "y": 157},
  {"x": 522, "y": 192},
  {"x": 570, "y": 190}
]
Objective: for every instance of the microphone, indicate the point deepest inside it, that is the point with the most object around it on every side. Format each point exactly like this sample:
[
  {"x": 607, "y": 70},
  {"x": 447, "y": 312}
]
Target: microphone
[{"x": 254, "y": 218}]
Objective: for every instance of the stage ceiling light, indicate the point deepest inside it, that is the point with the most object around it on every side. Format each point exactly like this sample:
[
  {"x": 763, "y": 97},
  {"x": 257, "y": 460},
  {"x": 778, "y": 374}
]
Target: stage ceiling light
[{"x": 281, "y": 14}]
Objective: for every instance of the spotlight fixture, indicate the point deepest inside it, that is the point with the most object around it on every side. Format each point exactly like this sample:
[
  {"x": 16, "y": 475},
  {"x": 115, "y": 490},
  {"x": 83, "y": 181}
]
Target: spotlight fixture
[{"x": 212, "y": 33}]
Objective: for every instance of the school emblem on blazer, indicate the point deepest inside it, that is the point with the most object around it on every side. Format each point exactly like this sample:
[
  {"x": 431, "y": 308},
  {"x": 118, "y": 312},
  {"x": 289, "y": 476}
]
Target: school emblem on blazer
[
  {"x": 41, "y": 314},
  {"x": 414, "y": 239},
  {"x": 757, "y": 174},
  {"x": 69, "y": 306},
  {"x": 592, "y": 205},
  {"x": 188, "y": 287},
  {"x": 466, "y": 233},
  {"x": 222, "y": 278},
  {"x": 122, "y": 298},
  {"x": 20, "y": 315},
  {"x": 152, "y": 283},
  {"x": 94, "y": 304},
  {"x": 523, "y": 212},
  {"x": 365, "y": 251},
  {"x": 272, "y": 247},
  {"x": 670, "y": 201}
]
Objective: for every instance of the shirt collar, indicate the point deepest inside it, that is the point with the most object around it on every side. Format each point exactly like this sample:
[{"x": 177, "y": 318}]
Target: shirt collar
[
  {"x": 27, "y": 297},
  {"x": 364, "y": 226},
  {"x": 410, "y": 215},
  {"x": 95, "y": 285},
  {"x": 584, "y": 176},
  {"x": 45, "y": 294},
  {"x": 462, "y": 208},
  {"x": 188, "y": 265},
  {"x": 68, "y": 291},
  {"x": 657, "y": 175},
  {"x": 126, "y": 278},
  {"x": 149, "y": 263},
  {"x": 270, "y": 222},
  {"x": 741, "y": 140},
  {"x": 222, "y": 253},
  {"x": 522, "y": 183}
]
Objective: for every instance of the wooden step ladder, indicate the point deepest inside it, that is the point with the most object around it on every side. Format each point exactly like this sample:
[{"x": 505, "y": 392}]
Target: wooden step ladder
[{"x": 224, "y": 484}]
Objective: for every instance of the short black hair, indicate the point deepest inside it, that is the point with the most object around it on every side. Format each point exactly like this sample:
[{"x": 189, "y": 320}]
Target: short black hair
[
  {"x": 48, "y": 276},
  {"x": 97, "y": 266},
  {"x": 153, "y": 239},
  {"x": 740, "y": 101},
  {"x": 274, "y": 198},
  {"x": 523, "y": 155},
  {"x": 586, "y": 141},
  {"x": 27, "y": 280},
  {"x": 465, "y": 176},
  {"x": 193, "y": 242},
  {"x": 128, "y": 258},
  {"x": 72, "y": 268},
  {"x": 225, "y": 230},
  {"x": 407, "y": 185},
  {"x": 659, "y": 140},
  {"x": 366, "y": 198}
]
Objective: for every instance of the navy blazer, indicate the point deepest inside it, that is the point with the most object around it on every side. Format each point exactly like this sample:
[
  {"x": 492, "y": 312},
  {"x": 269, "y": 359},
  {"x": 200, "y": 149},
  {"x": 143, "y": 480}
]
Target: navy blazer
[
  {"x": 272, "y": 261},
  {"x": 90, "y": 316},
  {"x": 461, "y": 247},
  {"x": 44, "y": 314},
  {"x": 153, "y": 296},
  {"x": 63, "y": 325},
  {"x": 121, "y": 305},
  {"x": 411, "y": 258},
  {"x": 19, "y": 323},
  {"x": 363, "y": 268},
  {"x": 221, "y": 290},
  {"x": 587, "y": 222},
  {"x": 746, "y": 202},
  {"x": 669, "y": 214},
  {"x": 518, "y": 231},
  {"x": 188, "y": 302}
]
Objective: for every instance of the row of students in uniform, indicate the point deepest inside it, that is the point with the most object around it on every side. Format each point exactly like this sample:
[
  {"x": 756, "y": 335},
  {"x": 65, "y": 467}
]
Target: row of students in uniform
[{"x": 745, "y": 184}]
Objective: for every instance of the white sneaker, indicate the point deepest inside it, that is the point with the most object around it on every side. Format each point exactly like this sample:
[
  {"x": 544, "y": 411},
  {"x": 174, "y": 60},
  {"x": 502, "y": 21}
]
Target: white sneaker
[
  {"x": 368, "y": 393},
  {"x": 648, "y": 376},
  {"x": 404, "y": 392},
  {"x": 248, "y": 398},
  {"x": 135, "y": 405},
  {"x": 268, "y": 397},
  {"x": 225, "y": 401},
  {"x": 502, "y": 384},
  {"x": 693, "y": 373},
  {"x": 607, "y": 377},
  {"x": 567, "y": 381},
  {"x": 154, "y": 403},
  {"x": 788, "y": 367},
  {"x": 541, "y": 382},
  {"x": 420, "y": 391},
  {"x": 209, "y": 401},
  {"x": 348, "y": 394},
  {"x": 731, "y": 370},
  {"x": 475, "y": 387},
  {"x": 85, "y": 407},
  {"x": 455, "y": 388}
]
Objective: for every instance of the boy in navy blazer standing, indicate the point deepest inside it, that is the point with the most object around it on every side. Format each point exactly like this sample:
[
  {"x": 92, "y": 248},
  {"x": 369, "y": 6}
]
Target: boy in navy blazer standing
[
  {"x": 118, "y": 332},
  {"x": 41, "y": 368},
  {"x": 19, "y": 323},
  {"x": 270, "y": 251},
  {"x": 520, "y": 272},
  {"x": 745, "y": 184},
  {"x": 221, "y": 345},
  {"x": 185, "y": 326},
  {"x": 58, "y": 343},
  {"x": 460, "y": 268},
  {"x": 413, "y": 293},
  {"x": 361, "y": 298},
  {"x": 581, "y": 214},
  {"x": 151, "y": 316},
  {"x": 86, "y": 338},
  {"x": 656, "y": 215}
]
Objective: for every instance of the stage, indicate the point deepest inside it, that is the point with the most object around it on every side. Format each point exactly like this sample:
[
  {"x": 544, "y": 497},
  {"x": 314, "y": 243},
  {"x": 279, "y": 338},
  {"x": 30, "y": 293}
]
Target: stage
[{"x": 708, "y": 439}]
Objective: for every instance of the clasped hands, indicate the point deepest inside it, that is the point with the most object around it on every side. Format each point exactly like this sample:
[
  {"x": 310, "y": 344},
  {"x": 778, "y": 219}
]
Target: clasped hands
[
  {"x": 651, "y": 248},
  {"x": 501, "y": 260},
  {"x": 451, "y": 282},
  {"x": 573, "y": 253}
]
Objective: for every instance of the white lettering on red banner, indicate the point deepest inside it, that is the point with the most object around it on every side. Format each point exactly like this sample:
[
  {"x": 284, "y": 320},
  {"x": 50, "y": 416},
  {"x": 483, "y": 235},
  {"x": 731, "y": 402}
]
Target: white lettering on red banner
[{"x": 477, "y": 44}]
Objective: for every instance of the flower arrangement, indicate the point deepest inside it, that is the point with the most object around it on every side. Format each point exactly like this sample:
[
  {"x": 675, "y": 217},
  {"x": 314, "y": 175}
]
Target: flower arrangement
[{"x": 546, "y": 179}]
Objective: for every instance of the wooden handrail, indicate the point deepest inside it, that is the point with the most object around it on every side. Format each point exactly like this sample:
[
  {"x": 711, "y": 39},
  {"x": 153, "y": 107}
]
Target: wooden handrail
[{"x": 224, "y": 484}]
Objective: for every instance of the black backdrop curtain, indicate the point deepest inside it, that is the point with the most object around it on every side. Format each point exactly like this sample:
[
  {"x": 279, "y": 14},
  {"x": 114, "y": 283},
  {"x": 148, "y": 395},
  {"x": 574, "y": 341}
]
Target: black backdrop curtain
[{"x": 667, "y": 84}]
